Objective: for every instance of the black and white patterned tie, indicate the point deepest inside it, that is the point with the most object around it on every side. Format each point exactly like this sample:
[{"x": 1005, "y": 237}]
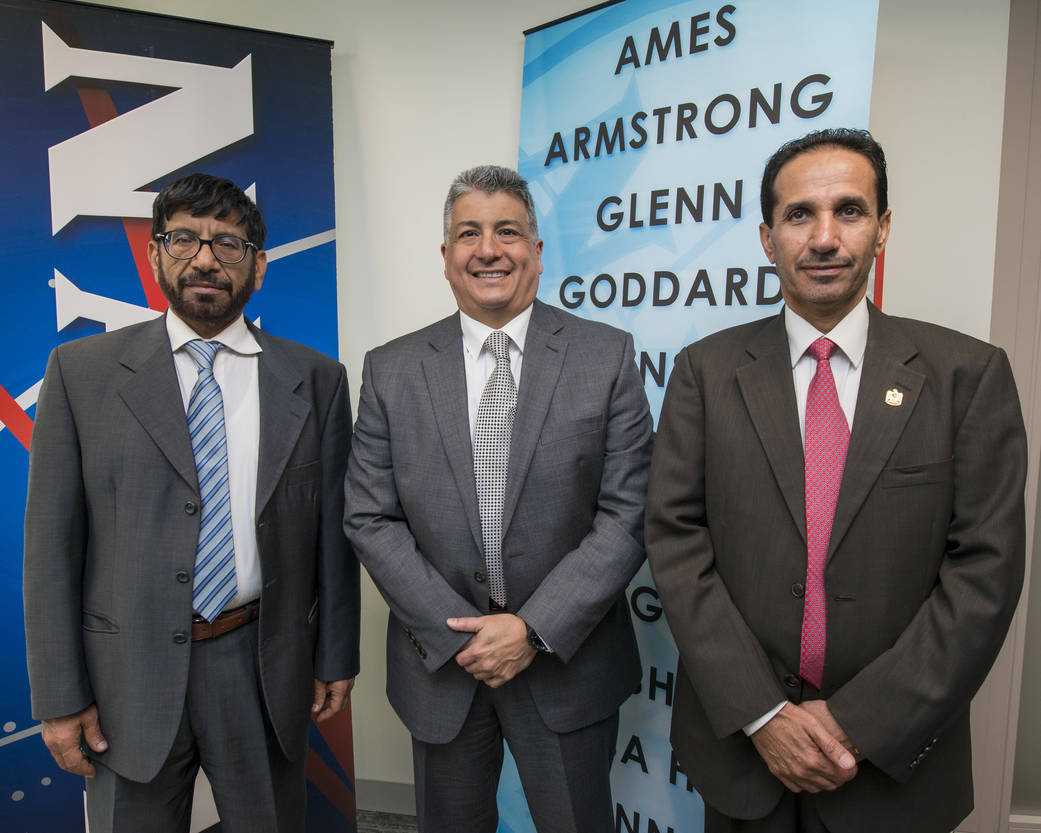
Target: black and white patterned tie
[{"x": 491, "y": 455}]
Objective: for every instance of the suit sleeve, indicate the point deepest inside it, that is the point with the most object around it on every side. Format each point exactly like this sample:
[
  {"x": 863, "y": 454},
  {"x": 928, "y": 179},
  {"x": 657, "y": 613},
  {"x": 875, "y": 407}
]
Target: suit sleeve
[
  {"x": 337, "y": 652},
  {"x": 55, "y": 552},
  {"x": 375, "y": 522},
  {"x": 577, "y": 593},
  {"x": 897, "y": 704},
  {"x": 727, "y": 665}
]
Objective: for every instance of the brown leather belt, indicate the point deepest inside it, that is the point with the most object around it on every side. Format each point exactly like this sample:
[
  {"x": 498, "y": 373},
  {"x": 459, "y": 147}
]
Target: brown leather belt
[{"x": 227, "y": 621}]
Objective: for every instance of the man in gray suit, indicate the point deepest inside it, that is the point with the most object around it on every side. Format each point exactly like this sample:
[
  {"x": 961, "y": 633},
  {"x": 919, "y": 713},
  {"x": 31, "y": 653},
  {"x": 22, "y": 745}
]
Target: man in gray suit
[
  {"x": 190, "y": 598},
  {"x": 835, "y": 526},
  {"x": 495, "y": 494}
]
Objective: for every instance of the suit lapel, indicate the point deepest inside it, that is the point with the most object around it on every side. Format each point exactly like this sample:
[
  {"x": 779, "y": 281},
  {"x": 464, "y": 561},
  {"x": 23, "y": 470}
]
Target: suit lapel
[
  {"x": 768, "y": 390},
  {"x": 282, "y": 416},
  {"x": 544, "y": 353},
  {"x": 154, "y": 397},
  {"x": 446, "y": 384},
  {"x": 877, "y": 426}
]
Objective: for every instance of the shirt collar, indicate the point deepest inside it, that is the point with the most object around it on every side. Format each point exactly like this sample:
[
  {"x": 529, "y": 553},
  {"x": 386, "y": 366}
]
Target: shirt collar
[
  {"x": 236, "y": 336},
  {"x": 849, "y": 335},
  {"x": 475, "y": 333}
]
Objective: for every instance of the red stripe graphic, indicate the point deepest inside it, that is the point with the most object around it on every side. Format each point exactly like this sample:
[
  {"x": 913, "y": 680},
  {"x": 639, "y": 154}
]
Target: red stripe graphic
[
  {"x": 880, "y": 270},
  {"x": 329, "y": 784},
  {"x": 98, "y": 106},
  {"x": 338, "y": 734},
  {"x": 16, "y": 420},
  {"x": 139, "y": 232}
]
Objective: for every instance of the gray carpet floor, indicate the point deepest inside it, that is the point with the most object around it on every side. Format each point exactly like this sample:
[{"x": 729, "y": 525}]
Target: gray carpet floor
[{"x": 370, "y": 822}]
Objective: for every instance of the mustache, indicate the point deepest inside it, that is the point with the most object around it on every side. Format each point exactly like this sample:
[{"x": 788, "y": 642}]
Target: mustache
[
  {"x": 208, "y": 281},
  {"x": 823, "y": 262}
]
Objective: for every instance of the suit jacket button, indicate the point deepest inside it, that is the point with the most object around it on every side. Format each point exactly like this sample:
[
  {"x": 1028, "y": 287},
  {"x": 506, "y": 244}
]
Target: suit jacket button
[
  {"x": 182, "y": 576},
  {"x": 180, "y": 637},
  {"x": 479, "y": 577},
  {"x": 791, "y": 681},
  {"x": 798, "y": 590},
  {"x": 190, "y": 508}
]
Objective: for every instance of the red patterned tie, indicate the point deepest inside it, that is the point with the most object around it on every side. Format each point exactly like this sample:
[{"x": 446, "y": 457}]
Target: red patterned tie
[{"x": 827, "y": 439}]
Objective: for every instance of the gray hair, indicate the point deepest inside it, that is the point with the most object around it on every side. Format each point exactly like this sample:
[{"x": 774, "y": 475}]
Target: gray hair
[{"x": 490, "y": 179}]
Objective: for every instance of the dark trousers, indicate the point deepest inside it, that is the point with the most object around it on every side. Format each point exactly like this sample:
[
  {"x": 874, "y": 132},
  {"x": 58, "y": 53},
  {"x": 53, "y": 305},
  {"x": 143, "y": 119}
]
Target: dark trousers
[
  {"x": 225, "y": 730},
  {"x": 566, "y": 777},
  {"x": 795, "y": 813}
]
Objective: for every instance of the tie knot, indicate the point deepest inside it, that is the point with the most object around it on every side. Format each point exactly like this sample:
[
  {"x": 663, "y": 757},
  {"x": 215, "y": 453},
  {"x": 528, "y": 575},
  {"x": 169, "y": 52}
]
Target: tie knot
[
  {"x": 203, "y": 352},
  {"x": 822, "y": 349},
  {"x": 498, "y": 343}
]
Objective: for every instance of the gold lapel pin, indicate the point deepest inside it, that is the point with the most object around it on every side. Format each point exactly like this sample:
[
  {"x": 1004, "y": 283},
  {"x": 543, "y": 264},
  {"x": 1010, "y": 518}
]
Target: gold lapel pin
[{"x": 894, "y": 397}]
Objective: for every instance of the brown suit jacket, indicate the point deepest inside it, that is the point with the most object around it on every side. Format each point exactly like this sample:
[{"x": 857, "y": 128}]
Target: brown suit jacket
[{"x": 924, "y": 568}]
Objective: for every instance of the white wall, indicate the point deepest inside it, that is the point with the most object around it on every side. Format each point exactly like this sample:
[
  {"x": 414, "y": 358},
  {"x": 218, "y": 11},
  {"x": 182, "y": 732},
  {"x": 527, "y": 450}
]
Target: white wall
[
  {"x": 937, "y": 108},
  {"x": 423, "y": 90}
]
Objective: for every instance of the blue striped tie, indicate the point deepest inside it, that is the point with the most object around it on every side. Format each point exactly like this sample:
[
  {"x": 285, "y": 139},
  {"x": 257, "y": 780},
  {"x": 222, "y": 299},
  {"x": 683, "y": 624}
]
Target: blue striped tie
[{"x": 215, "y": 558}]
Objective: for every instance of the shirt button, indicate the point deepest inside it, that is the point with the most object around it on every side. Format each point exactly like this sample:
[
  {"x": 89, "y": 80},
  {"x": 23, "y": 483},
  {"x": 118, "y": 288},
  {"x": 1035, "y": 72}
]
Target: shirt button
[
  {"x": 479, "y": 577},
  {"x": 180, "y": 637},
  {"x": 791, "y": 681},
  {"x": 798, "y": 590},
  {"x": 190, "y": 508},
  {"x": 183, "y": 576}
]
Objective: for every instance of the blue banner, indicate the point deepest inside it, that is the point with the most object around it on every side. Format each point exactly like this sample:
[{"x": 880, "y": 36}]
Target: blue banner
[
  {"x": 645, "y": 126},
  {"x": 102, "y": 109}
]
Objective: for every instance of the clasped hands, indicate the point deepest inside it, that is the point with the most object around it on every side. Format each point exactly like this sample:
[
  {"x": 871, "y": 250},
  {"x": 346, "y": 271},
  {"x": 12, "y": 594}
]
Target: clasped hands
[
  {"x": 806, "y": 749},
  {"x": 498, "y": 650}
]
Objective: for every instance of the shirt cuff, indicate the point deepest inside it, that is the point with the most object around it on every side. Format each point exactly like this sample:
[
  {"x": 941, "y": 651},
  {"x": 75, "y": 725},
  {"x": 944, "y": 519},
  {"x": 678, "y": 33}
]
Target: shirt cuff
[
  {"x": 756, "y": 725},
  {"x": 548, "y": 647}
]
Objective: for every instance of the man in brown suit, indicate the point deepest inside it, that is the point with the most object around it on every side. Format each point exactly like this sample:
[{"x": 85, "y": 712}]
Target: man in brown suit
[{"x": 831, "y": 640}]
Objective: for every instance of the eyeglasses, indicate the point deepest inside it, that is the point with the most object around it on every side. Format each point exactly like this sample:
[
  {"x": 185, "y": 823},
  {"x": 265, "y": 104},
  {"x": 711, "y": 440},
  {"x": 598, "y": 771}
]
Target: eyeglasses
[{"x": 184, "y": 245}]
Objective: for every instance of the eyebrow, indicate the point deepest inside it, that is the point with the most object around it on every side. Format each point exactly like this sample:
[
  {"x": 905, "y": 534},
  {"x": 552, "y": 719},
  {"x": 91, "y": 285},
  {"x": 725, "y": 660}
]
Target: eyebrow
[
  {"x": 810, "y": 205},
  {"x": 506, "y": 223}
]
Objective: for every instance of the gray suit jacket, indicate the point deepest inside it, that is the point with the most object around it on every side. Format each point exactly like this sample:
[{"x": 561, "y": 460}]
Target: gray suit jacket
[
  {"x": 572, "y": 519},
  {"x": 111, "y": 531},
  {"x": 924, "y": 567}
]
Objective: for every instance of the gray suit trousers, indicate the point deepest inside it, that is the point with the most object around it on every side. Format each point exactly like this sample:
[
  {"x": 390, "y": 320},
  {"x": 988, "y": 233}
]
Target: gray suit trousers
[
  {"x": 566, "y": 776},
  {"x": 224, "y": 729}
]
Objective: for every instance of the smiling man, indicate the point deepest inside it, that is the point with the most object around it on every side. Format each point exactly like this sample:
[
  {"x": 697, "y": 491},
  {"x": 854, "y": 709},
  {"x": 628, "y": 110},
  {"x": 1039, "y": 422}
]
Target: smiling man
[
  {"x": 835, "y": 527},
  {"x": 190, "y": 598},
  {"x": 495, "y": 494}
]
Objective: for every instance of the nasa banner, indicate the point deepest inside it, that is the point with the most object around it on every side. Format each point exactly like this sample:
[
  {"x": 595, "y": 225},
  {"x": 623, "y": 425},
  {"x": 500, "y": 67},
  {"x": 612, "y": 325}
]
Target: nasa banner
[
  {"x": 101, "y": 109},
  {"x": 645, "y": 126}
]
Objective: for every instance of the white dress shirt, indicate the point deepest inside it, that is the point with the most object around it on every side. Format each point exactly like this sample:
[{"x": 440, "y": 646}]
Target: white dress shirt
[
  {"x": 847, "y": 364},
  {"x": 235, "y": 370},
  {"x": 480, "y": 363}
]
